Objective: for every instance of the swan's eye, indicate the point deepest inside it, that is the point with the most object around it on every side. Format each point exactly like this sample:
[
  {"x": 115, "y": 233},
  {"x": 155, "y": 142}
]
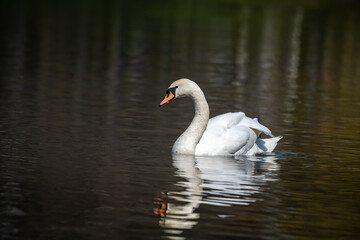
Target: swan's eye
[{"x": 171, "y": 90}]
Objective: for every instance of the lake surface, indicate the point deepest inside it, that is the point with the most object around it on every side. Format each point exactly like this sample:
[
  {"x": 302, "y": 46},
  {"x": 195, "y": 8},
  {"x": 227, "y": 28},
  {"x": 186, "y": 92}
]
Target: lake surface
[{"x": 85, "y": 149}]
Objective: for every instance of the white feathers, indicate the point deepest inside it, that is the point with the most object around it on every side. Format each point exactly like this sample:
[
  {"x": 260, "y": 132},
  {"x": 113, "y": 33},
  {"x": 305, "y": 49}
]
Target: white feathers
[
  {"x": 234, "y": 134},
  {"x": 223, "y": 135}
]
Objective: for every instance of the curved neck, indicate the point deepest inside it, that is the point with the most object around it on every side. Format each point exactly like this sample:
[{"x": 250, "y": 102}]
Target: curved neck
[{"x": 186, "y": 143}]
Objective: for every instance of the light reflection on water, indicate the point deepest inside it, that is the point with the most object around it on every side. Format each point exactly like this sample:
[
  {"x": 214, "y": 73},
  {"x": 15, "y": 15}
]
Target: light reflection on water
[{"x": 218, "y": 181}]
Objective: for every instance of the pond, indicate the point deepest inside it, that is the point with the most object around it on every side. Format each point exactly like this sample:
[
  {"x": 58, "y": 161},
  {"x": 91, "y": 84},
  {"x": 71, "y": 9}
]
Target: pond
[{"x": 85, "y": 151}]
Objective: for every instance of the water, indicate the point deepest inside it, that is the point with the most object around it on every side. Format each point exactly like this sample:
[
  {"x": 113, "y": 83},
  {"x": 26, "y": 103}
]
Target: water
[{"x": 85, "y": 149}]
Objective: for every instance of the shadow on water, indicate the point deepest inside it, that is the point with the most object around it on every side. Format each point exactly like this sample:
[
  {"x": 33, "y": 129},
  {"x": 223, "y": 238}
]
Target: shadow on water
[{"x": 217, "y": 181}]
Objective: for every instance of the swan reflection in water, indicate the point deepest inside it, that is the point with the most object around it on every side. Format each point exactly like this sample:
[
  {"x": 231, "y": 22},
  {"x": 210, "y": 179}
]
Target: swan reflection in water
[{"x": 219, "y": 181}]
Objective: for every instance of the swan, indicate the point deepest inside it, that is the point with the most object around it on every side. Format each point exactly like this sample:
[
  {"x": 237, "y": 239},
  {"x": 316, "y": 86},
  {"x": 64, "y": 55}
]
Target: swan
[{"x": 229, "y": 134}]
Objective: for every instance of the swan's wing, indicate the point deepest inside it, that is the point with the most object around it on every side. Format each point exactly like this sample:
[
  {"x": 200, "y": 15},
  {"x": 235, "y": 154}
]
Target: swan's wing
[
  {"x": 254, "y": 124},
  {"x": 229, "y": 120},
  {"x": 225, "y": 135},
  {"x": 226, "y": 120},
  {"x": 221, "y": 141},
  {"x": 230, "y": 133}
]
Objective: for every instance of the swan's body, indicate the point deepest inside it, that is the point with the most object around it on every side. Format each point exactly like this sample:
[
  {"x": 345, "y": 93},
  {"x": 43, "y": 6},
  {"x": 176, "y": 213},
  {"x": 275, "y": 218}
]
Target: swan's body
[{"x": 223, "y": 135}]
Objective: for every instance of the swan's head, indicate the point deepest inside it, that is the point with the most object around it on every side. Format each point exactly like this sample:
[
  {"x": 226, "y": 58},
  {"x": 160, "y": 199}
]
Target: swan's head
[{"x": 180, "y": 88}]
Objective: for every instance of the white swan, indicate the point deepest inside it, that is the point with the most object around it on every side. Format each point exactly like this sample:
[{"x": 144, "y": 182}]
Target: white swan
[{"x": 229, "y": 134}]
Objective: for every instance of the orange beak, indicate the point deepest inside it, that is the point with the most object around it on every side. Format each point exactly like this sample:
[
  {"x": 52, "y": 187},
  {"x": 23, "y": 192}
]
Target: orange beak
[{"x": 167, "y": 98}]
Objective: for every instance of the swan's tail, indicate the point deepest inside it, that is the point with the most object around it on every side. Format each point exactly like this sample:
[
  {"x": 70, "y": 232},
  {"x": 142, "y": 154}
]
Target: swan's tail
[{"x": 268, "y": 144}]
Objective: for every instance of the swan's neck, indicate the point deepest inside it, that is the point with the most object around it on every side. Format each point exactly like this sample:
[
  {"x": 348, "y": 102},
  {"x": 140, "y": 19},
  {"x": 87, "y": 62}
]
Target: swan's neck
[{"x": 186, "y": 143}]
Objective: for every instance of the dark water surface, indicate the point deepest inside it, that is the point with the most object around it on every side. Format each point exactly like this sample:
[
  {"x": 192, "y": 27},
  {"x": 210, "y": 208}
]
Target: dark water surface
[{"x": 85, "y": 149}]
